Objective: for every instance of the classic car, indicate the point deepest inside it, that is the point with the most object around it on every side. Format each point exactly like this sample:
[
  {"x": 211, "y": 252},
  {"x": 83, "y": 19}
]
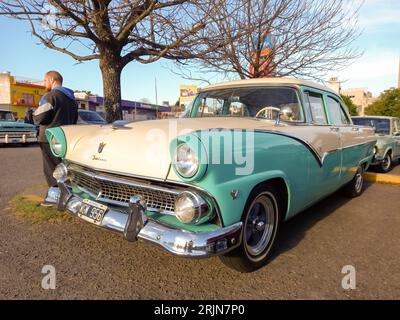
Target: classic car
[
  {"x": 12, "y": 131},
  {"x": 387, "y": 130},
  {"x": 249, "y": 155}
]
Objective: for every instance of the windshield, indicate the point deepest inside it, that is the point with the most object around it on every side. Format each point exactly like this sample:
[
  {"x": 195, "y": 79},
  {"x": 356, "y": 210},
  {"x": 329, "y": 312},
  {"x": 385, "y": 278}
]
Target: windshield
[
  {"x": 6, "y": 116},
  {"x": 262, "y": 103},
  {"x": 90, "y": 116},
  {"x": 382, "y": 126}
]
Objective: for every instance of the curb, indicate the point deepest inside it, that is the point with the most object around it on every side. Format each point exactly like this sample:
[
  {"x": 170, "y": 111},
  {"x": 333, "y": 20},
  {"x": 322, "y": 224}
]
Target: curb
[{"x": 382, "y": 178}]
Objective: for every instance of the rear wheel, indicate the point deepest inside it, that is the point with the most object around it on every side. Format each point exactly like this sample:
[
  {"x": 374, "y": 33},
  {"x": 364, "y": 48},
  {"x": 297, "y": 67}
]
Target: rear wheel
[
  {"x": 386, "y": 164},
  {"x": 355, "y": 187},
  {"x": 261, "y": 221}
]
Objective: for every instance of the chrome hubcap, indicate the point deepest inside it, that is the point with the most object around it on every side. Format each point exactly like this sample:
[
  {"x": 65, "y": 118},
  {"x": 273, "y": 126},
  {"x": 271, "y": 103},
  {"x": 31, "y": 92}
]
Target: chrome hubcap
[
  {"x": 260, "y": 224},
  {"x": 359, "y": 182},
  {"x": 386, "y": 162}
]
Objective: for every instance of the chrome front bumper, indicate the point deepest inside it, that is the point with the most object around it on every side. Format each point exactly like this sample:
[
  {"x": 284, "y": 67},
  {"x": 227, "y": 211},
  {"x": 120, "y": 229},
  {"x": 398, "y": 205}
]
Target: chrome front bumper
[
  {"x": 23, "y": 139},
  {"x": 133, "y": 224}
]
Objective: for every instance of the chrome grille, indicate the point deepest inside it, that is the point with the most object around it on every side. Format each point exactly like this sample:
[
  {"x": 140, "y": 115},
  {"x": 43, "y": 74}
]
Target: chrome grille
[{"x": 113, "y": 189}]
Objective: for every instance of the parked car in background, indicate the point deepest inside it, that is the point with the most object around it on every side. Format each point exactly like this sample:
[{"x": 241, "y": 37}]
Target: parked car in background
[
  {"x": 286, "y": 144},
  {"x": 12, "y": 131},
  {"x": 90, "y": 117},
  {"x": 387, "y": 130}
]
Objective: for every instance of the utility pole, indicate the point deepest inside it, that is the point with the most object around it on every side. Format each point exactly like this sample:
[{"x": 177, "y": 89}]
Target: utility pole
[
  {"x": 398, "y": 77},
  {"x": 155, "y": 85}
]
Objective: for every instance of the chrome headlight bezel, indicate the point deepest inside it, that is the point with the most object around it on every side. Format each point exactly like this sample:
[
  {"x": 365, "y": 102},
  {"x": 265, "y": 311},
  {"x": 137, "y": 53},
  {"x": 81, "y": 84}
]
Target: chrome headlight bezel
[
  {"x": 55, "y": 146},
  {"x": 186, "y": 161},
  {"x": 190, "y": 207},
  {"x": 61, "y": 172}
]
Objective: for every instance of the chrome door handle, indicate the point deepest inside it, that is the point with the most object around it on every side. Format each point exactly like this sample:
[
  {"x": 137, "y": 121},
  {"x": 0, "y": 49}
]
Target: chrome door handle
[
  {"x": 355, "y": 129},
  {"x": 334, "y": 129}
]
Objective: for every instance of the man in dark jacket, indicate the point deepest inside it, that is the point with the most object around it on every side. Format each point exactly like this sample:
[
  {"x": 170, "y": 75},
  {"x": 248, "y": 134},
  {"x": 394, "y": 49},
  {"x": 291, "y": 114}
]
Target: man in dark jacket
[{"x": 56, "y": 108}]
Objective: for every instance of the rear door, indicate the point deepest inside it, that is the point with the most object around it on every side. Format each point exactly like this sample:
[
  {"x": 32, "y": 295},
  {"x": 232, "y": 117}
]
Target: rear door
[
  {"x": 351, "y": 137},
  {"x": 324, "y": 178}
]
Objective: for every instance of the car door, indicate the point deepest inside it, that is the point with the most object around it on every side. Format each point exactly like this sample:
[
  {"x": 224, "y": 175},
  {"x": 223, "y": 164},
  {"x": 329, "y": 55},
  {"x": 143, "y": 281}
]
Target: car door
[
  {"x": 351, "y": 137},
  {"x": 325, "y": 177}
]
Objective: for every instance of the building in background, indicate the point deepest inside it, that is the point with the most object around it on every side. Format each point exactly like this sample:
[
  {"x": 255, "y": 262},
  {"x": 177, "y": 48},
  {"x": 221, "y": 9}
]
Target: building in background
[
  {"x": 18, "y": 94},
  {"x": 334, "y": 84},
  {"x": 361, "y": 97}
]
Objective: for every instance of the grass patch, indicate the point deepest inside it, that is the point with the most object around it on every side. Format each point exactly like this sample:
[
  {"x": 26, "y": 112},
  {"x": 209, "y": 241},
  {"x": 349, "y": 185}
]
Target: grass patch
[{"x": 28, "y": 207}]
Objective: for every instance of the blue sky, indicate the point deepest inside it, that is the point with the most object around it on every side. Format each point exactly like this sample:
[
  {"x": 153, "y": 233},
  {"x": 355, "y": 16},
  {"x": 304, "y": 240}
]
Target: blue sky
[{"x": 377, "y": 69}]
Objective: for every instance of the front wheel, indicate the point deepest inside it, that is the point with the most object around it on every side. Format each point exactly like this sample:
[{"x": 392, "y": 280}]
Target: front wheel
[
  {"x": 261, "y": 221},
  {"x": 386, "y": 163}
]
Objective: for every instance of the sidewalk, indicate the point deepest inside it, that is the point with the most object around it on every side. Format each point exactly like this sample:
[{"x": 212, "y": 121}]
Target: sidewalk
[{"x": 392, "y": 177}]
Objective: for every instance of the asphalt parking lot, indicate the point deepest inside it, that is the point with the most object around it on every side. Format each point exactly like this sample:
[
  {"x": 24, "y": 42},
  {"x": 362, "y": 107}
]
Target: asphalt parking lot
[{"x": 92, "y": 263}]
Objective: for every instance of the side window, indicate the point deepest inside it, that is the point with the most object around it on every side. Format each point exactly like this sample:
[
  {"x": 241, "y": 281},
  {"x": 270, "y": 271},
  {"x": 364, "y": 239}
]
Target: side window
[
  {"x": 317, "y": 109},
  {"x": 211, "y": 107},
  {"x": 338, "y": 116}
]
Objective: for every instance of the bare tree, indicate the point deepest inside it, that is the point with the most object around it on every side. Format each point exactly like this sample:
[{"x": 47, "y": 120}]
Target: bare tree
[
  {"x": 307, "y": 38},
  {"x": 120, "y": 31}
]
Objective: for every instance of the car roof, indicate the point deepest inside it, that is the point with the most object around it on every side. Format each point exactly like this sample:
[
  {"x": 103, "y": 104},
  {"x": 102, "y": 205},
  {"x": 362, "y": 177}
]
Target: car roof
[
  {"x": 374, "y": 117},
  {"x": 267, "y": 81}
]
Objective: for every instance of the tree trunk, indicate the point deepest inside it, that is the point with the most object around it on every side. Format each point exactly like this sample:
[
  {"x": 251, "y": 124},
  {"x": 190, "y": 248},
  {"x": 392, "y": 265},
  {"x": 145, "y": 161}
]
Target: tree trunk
[{"x": 111, "y": 69}]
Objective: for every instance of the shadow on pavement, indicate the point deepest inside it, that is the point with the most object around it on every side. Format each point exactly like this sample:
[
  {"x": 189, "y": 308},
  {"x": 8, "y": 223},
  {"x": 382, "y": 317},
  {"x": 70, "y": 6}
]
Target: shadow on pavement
[
  {"x": 294, "y": 230},
  {"x": 395, "y": 169},
  {"x": 19, "y": 145}
]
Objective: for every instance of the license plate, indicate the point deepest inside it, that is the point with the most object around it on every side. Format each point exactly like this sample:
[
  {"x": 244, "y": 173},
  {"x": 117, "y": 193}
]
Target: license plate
[
  {"x": 15, "y": 140},
  {"x": 92, "y": 211}
]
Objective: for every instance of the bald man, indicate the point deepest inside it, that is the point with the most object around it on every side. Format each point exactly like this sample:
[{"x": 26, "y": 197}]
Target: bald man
[{"x": 57, "y": 107}]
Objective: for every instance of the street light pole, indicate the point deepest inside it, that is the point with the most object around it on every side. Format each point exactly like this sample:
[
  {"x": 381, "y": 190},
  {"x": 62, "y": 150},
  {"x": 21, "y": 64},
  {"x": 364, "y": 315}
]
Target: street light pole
[{"x": 155, "y": 86}]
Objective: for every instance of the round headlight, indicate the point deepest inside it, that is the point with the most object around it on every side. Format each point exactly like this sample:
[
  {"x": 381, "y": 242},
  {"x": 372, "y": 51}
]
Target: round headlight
[
  {"x": 61, "y": 172},
  {"x": 187, "y": 162},
  {"x": 56, "y": 146},
  {"x": 375, "y": 149},
  {"x": 190, "y": 207}
]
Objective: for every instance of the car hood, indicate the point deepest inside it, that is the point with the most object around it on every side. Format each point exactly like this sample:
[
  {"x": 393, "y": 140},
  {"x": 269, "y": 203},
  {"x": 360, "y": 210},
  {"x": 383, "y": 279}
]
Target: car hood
[
  {"x": 383, "y": 140},
  {"x": 139, "y": 148},
  {"x": 11, "y": 125}
]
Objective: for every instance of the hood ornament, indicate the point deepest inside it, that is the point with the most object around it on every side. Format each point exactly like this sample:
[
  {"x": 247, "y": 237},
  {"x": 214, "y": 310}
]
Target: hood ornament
[{"x": 101, "y": 147}]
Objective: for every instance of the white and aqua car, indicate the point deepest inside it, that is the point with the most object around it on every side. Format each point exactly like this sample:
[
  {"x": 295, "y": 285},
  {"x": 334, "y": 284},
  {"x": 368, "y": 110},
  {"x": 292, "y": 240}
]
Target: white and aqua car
[
  {"x": 248, "y": 156},
  {"x": 12, "y": 131}
]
